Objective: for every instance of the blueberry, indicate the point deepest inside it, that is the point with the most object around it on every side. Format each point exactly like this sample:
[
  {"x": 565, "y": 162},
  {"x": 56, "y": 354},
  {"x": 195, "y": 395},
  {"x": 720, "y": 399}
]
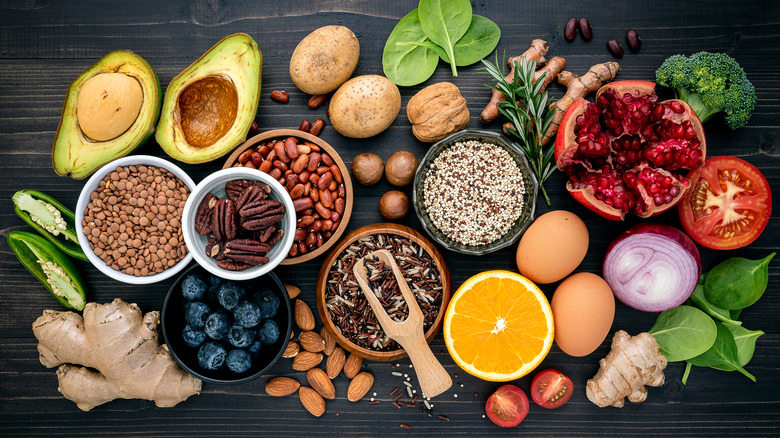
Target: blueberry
[
  {"x": 268, "y": 332},
  {"x": 211, "y": 356},
  {"x": 247, "y": 314},
  {"x": 217, "y": 325},
  {"x": 214, "y": 283},
  {"x": 268, "y": 302},
  {"x": 229, "y": 295},
  {"x": 239, "y": 361},
  {"x": 240, "y": 337},
  {"x": 193, "y": 337},
  {"x": 256, "y": 348},
  {"x": 196, "y": 314},
  {"x": 193, "y": 287}
]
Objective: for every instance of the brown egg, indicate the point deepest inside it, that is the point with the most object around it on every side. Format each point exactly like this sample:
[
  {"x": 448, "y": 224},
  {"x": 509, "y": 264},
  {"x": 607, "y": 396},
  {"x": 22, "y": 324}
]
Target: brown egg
[
  {"x": 552, "y": 247},
  {"x": 583, "y": 310}
]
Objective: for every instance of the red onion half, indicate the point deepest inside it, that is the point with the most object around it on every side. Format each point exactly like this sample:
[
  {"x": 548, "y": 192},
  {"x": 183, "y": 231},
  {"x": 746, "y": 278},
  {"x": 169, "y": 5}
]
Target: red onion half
[{"x": 652, "y": 267}]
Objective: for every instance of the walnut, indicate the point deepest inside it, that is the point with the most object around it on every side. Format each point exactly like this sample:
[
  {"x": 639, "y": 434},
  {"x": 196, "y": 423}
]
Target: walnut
[{"x": 437, "y": 111}]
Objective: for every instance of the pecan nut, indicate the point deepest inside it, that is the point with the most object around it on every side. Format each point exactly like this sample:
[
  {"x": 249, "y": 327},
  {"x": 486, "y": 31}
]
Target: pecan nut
[
  {"x": 260, "y": 214},
  {"x": 249, "y": 251},
  {"x": 203, "y": 214},
  {"x": 230, "y": 265},
  {"x": 234, "y": 188},
  {"x": 250, "y": 194},
  {"x": 224, "y": 220}
]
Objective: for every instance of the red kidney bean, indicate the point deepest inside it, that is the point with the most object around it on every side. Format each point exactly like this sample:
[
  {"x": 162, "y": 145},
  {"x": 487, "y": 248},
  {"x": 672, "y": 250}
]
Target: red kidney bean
[
  {"x": 313, "y": 146},
  {"x": 292, "y": 177},
  {"x": 300, "y": 164},
  {"x": 293, "y": 251},
  {"x": 263, "y": 150},
  {"x": 303, "y": 204},
  {"x": 314, "y": 161},
  {"x": 314, "y": 178},
  {"x": 281, "y": 153},
  {"x": 271, "y": 156},
  {"x": 311, "y": 239},
  {"x": 334, "y": 216},
  {"x": 615, "y": 48},
  {"x": 333, "y": 185},
  {"x": 320, "y": 240},
  {"x": 632, "y": 38},
  {"x": 335, "y": 226},
  {"x": 334, "y": 169},
  {"x": 305, "y": 221},
  {"x": 314, "y": 194},
  {"x": 327, "y": 224},
  {"x": 291, "y": 183},
  {"x": 304, "y": 176},
  {"x": 317, "y": 100},
  {"x": 305, "y": 126},
  {"x": 315, "y": 226},
  {"x": 279, "y": 164},
  {"x": 266, "y": 166},
  {"x": 297, "y": 191},
  {"x": 245, "y": 156},
  {"x": 327, "y": 234},
  {"x": 570, "y": 31},
  {"x": 328, "y": 160},
  {"x": 325, "y": 180},
  {"x": 300, "y": 234},
  {"x": 256, "y": 158},
  {"x": 253, "y": 129},
  {"x": 302, "y": 248},
  {"x": 291, "y": 147},
  {"x": 280, "y": 96},
  {"x": 275, "y": 173},
  {"x": 323, "y": 211},
  {"x": 585, "y": 29},
  {"x": 250, "y": 165},
  {"x": 342, "y": 191},
  {"x": 339, "y": 205},
  {"x": 317, "y": 127},
  {"x": 326, "y": 198},
  {"x": 307, "y": 189}
]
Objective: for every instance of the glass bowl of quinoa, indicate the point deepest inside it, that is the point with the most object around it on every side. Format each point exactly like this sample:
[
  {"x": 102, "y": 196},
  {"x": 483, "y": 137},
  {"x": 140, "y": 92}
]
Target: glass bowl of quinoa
[{"x": 474, "y": 192}]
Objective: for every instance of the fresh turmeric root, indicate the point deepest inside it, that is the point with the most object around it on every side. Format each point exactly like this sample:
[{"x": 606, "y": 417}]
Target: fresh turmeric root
[
  {"x": 576, "y": 87},
  {"x": 121, "y": 344},
  {"x": 536, "y": 52},
  {"x": 632, "y": 363}
]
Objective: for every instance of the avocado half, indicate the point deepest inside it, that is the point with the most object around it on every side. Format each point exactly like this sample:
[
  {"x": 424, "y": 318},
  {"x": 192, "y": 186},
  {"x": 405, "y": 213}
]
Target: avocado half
[
  {"x": 110, "y": 109},
  {"x": 209, "y": 107}
]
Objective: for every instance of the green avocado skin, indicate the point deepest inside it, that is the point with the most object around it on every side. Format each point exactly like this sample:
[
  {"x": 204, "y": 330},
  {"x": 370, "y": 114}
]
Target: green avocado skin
[
  {"x": 236, "y": 58},
  {"x": 74, "y": 154}
]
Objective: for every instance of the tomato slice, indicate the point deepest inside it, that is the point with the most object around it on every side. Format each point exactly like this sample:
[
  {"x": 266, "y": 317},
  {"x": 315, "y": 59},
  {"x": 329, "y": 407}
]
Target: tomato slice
[
  {"x": 727, "y": 205},
  {"x": 507, "y": 406},
  {"x": 551, "y": 388}
]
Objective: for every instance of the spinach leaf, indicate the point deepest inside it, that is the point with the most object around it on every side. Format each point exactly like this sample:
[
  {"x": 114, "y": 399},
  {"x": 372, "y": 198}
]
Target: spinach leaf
[
  {"x": 445, "y": 22},
  {"x": 737, "y": 282},
  {"x": 746, "y": 345},
  {"x": 722, "y": 353},
  {"x": 406, "y": 64},
  {"x": 683, "y": 332},
  {"x": 714, "y": 311},
  {"x": 479, "y": 40}
]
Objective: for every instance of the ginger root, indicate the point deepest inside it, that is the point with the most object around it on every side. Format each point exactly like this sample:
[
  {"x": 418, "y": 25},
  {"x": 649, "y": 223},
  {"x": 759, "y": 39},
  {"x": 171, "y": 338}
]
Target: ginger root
[
  {"x": 536, "y": 52},
  {"x": 576, "y": 87},
  {"x": 632, "y": 363},
  {"x": 121, "y": 344}
]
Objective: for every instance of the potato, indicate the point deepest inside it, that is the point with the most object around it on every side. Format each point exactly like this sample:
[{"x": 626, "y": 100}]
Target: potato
[
  {"x": 324, "y": 59},
  {"x": 365, "y": 106}
]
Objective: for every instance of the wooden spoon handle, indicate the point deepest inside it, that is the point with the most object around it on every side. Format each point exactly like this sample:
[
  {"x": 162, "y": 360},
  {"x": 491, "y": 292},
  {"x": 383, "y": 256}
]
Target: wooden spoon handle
[{"x": 432, "y": 376}]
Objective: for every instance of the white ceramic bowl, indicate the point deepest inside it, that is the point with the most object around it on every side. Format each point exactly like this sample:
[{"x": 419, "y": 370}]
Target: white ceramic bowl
[
  {"x": 92, "y": 184},
  {"x": 215, "y": 184}
]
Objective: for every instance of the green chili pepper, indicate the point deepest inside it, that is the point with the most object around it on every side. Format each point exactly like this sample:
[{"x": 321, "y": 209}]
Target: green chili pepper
[
  {"x": 55, "y": 270},
  {"x": 51, "y": 219}
]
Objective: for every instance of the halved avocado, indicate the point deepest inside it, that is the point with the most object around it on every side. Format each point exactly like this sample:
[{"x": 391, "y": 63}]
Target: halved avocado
[
  {"x": 209, "y": 107},
  {"x": 110, "y": 109}
]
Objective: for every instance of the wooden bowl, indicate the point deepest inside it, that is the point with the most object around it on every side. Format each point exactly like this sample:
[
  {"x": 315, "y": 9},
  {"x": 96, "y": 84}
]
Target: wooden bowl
[
  {"x": 284, "y": 133},
  {"x": 351, "y": 238}
]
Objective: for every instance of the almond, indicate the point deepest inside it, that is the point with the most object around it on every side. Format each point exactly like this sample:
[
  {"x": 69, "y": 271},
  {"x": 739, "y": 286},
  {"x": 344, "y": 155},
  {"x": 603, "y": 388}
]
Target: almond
[
  {"x": 303, "y": 316},
  {"x": 311, "y": 341},
  {"x": 291, "y": 350},
  {"x": 359, "y": 386},
  {"x": 292, "y": 291},
  {"x": 321, "y": 383},
  {"x": 330, "y": 341},
  {"x": 352, "y": 365},
  {"x": 281, "y": 386},
  {"x": 306, "y": 360},
  {"x": 313, "y": 402},
  {"x": 335, "y": 362}
]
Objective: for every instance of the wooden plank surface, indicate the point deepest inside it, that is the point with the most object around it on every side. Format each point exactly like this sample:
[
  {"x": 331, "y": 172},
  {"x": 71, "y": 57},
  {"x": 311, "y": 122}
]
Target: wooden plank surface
[{"x": 45, "y": 44}]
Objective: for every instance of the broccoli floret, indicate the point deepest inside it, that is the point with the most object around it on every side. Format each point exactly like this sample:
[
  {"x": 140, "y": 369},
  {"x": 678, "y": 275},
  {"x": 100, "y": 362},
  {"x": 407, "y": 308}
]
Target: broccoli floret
[{"x": 710, "y": 83}]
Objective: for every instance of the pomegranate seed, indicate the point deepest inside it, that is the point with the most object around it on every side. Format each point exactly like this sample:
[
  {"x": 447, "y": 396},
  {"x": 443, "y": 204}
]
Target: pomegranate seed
[
  {"x": 674, "y": 191},
  {"x": 677, "y": 107}
]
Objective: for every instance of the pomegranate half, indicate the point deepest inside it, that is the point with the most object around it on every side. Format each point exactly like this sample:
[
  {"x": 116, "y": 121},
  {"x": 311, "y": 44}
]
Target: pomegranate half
[{"x": 623, "y": 153}]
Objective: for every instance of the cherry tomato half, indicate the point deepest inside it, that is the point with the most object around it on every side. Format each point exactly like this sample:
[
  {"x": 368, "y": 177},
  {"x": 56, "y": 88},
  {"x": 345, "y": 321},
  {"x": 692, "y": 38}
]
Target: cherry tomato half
[
  {"x": 728, "y": 204},
  {"x": 507, "y": 406},
  {"x": 551, "y": 388}
]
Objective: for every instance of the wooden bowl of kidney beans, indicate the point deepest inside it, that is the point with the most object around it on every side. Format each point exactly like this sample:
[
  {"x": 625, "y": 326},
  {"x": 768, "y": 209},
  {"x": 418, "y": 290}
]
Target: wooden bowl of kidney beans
[{"x": 316, "y": 178}]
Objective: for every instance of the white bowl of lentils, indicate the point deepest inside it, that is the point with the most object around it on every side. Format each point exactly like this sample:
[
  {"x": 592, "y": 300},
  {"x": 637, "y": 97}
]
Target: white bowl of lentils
[
  {"x": 474, "y": 192},
  {"x": 129, "y": 216}
]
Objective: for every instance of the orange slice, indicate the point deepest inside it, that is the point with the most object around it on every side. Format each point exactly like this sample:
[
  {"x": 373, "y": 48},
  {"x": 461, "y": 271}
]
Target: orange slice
[{"x": 498, "y": 326}]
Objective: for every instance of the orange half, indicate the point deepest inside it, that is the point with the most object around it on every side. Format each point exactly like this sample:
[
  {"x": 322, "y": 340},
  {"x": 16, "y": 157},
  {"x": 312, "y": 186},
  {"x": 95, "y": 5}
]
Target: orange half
[{"x": 498, "y": 326}]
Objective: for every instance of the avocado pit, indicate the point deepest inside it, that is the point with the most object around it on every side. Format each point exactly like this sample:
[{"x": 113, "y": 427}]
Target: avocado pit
[
  {"x": 108, "y": 105},
  {"x": 207, "y": 109}
]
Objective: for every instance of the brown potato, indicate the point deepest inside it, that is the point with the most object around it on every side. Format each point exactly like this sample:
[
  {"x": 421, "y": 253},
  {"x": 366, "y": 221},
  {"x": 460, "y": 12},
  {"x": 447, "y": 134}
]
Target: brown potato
[
  {"x": 364, "y": 106},
  {"x": 324, "y": 59}
]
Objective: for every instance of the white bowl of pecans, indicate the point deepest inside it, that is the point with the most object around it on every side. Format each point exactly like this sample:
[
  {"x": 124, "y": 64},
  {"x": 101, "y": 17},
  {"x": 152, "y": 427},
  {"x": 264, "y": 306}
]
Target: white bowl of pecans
[
  {"x": 239, "y": 223},
  {"x": 128, "y": 219}
]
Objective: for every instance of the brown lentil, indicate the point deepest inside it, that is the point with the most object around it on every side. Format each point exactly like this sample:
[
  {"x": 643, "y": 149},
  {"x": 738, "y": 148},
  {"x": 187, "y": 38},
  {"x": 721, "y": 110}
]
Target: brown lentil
[
  {"x": 133, "y": 220},
  {"x": 473, "y": 192}
]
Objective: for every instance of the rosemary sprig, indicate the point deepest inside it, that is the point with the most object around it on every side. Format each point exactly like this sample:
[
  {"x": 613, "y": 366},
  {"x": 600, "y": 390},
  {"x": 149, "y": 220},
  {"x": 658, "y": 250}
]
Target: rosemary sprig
[{"x": 526, "y": 109}]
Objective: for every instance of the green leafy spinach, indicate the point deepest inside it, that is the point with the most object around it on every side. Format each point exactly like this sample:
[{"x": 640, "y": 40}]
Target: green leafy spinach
[
  {"x": 737, "y": 283},
  {"x": 406, "y": 63},
  {"x": 723, "y": 353},
  {"x": 683, "y": 333}
]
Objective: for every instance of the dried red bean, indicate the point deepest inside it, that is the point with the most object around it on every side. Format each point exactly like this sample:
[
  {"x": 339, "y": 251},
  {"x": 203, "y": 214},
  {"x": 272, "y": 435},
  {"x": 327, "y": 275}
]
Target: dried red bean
[
  {"x": 570, "y": 31},
  {"x": 280, "y": 96},
  {"x": 632, "y": 38},
  {"x": 316, "y": 101},
  {"x": 305, "y": 126},
  {"x": 317, "y": 127},
  {"x": 615, "y": 48},
  {"x": 245, "y": 156},
  {"x": 585, "y": 29}
]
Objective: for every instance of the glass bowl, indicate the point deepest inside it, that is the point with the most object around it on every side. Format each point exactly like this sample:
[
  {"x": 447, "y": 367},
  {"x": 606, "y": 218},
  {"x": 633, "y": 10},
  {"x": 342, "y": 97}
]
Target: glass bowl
[{"x": 529, "y": 197}]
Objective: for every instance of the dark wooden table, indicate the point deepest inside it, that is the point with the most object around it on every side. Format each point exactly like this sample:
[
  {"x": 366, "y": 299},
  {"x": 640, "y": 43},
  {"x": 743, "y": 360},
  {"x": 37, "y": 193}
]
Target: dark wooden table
[{"x": 44, "y": 45}]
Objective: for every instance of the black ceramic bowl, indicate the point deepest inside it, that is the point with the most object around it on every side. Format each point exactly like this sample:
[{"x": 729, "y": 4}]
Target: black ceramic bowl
[{"x": 173, "y": 324}]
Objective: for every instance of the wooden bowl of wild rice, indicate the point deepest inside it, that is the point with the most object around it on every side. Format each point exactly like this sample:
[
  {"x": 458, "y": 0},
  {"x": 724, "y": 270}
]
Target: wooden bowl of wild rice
[{"x": 345, "y": 312}]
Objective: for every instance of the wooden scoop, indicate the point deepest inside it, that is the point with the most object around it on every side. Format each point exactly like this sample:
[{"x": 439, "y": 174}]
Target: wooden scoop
[{"x": 432, "y": 376}]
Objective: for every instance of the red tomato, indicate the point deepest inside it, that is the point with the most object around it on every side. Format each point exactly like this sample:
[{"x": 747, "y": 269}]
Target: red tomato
[
  {"x": 727, "y": 205},
  {"x": 507, "y": 406},
  {"x": 551, "y": 388}
]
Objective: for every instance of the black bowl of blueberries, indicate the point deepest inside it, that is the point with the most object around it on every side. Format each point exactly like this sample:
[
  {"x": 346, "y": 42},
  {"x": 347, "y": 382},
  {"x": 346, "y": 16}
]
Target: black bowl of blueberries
[{"x": 226, "y": 331}]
